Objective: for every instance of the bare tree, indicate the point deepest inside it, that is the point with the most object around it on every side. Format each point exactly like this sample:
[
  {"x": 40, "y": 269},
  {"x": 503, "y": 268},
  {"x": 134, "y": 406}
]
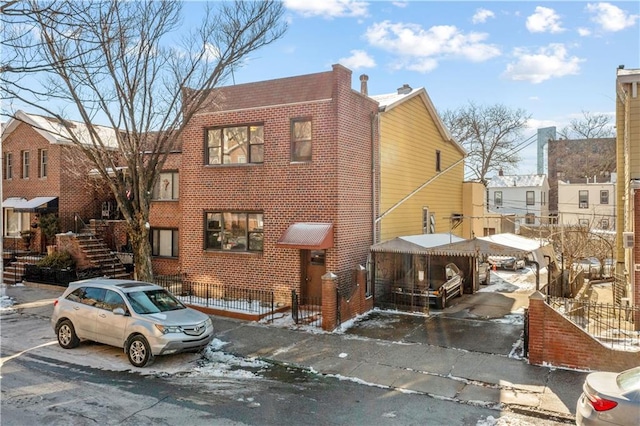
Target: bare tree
[
  {"x": 590, "y": 126},
  {"x": 489, "y": 134},
  {"x": 128, "y": 64}
]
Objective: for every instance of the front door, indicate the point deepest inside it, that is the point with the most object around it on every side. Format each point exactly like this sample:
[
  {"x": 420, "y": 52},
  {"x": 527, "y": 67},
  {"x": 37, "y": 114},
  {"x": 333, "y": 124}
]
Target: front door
[{"x": 314, "y": 268}]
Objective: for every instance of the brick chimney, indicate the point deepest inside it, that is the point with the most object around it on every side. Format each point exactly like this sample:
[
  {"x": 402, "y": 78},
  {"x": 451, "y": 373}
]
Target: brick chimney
[
  {"x": 500, "y": 172},
  {"x": 405, "y": 89},
  {"x": 363, "y": 84}
]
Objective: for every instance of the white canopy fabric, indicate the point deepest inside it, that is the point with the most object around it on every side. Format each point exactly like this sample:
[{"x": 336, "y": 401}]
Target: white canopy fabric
[
  {"x": 24, "y": 205},
  {"x": 451, "y": 245}
]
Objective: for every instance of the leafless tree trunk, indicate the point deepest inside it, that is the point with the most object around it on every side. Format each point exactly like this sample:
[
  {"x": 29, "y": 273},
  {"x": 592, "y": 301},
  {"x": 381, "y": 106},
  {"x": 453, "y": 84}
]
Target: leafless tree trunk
[
  {"x": 590, "y": 126},
  {"x": 489, "y": 134},
  {"x": 126, "y": 65}
]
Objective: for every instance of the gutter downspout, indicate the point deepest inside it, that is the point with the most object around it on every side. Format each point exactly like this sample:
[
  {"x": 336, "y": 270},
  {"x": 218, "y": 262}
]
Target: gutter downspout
[
  {"x": 375, "y": 129},
  {"x": 537, "y": 275},
  {"x": 415, "y": 191}
]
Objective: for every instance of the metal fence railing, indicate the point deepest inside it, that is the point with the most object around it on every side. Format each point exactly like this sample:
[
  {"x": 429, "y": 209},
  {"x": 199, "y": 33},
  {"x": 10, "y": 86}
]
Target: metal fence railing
[
  {"x": 306, "y": 310},
  {"x": 223, "y": 297},
  {"x": 612, "y": 324}
]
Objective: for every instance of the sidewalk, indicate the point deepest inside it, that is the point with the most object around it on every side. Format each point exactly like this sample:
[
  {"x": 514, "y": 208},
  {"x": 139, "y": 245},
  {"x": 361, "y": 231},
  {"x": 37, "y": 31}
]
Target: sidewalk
[
  {"x": 453, "y": 374},
  {"x": 465, "y": 376}
]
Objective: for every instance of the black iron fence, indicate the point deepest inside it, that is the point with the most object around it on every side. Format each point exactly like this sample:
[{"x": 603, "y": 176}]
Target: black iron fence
[
  {"x": 612, "y": 324},
  {"x": 223, "y": 297},
  {"x": 306, "y": 310},
  {"x": 24, "y": 268}
]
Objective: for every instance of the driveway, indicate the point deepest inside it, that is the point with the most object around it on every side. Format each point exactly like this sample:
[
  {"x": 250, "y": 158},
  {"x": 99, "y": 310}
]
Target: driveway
[{"x": 488, "y": 321}]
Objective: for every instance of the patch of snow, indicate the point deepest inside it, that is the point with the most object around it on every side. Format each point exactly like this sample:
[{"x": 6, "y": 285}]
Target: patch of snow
[{"x": 503, "y": 421}]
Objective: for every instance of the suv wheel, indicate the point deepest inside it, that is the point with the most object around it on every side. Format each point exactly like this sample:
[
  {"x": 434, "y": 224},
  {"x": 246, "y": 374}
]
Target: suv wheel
[
  {"x": 139, "y": 352},
  {"x": 67, "y": 337}
]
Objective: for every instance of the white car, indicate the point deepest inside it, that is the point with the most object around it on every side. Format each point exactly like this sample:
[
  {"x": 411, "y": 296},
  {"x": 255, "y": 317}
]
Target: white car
[
  {"x": 143, "y": 318},
  {"x": 506, "y": 262}
]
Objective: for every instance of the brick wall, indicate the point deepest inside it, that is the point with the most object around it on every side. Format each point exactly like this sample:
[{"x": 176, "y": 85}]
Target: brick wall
[
  {"x": 66, "y": 176},
  {"x": 556, "y": 341},
  {"x": 334, "y": 187}
]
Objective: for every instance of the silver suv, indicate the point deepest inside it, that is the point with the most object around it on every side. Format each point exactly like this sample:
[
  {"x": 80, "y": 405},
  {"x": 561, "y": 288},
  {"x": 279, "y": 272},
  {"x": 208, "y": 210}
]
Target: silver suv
[{"x": 143, "y": 318}]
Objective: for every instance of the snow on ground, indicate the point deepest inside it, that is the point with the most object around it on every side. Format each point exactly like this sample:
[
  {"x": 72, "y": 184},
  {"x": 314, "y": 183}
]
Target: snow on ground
[
  {"x": 214, "y": 362},
  {"x": 6, "y": 302},
  {"x": 520, "y": 281}
]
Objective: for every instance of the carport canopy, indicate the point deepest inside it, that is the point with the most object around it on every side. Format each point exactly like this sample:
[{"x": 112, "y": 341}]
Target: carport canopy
[
  {"x": 494, "y": 245},
  {"x": 422, "y": 244}
]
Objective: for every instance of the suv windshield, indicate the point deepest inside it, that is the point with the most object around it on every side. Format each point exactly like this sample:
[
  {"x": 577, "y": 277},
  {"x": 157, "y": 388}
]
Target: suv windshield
[{"x": 153, "y": 301}]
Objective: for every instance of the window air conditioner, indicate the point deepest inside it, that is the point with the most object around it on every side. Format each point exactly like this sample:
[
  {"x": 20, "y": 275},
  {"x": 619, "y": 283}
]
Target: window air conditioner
[
  {"x": 627, "y": 240},
  {"x": 584, "y": 205}
]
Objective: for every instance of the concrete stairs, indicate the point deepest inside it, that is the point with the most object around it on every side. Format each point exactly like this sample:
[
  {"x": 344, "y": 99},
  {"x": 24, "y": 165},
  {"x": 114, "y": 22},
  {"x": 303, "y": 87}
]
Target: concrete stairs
[
  {"x": 101, "y": 257},
  {"x": 14, "y": 270}
]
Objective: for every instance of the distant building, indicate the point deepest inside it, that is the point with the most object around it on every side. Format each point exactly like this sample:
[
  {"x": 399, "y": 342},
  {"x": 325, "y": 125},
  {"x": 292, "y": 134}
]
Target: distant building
[
  {"x": 523, "y": 196},
  {"x": 575, "y": 160},
  {"x": 590, "y": 203}
]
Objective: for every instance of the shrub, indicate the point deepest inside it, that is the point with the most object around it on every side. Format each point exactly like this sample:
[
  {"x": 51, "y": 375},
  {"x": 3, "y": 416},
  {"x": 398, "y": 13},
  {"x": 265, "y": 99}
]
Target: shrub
[{"x": 58, "y": 260}]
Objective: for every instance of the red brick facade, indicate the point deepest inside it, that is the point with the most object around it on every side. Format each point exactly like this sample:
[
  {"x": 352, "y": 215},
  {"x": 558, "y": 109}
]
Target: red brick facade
[
  {"x": 166, "y": 214},
  {"x": 334, "y": 187},
  {"x": 66, "y": 178},
  {"x": 556, "y": 341}
]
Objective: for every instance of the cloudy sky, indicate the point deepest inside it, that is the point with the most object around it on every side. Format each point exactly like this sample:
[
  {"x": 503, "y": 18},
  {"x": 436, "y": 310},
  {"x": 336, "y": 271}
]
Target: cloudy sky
[{"x": 552, "y": 59}]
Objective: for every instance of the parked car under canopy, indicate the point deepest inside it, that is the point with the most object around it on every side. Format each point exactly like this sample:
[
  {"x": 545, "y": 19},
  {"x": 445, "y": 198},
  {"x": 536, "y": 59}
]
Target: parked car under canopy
[{"x": 408, "y": 262}]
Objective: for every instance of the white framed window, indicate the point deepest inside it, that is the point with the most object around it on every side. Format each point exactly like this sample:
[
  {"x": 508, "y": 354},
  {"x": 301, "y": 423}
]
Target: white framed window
[
  {"x": 428, "y": 221},
  {"x": 8, "y": 165},
  {"x": 166, "y": 188},
  {"x": 497, "y": 198},
  {"x": 25, "y": 164},
  {"x": 164, "y": 242},
  {"x": 42, "y": 163},
  {"x": 531, "y": 198},
  {"x": 16, "y": 222},
  {"x": 583, "y": 199}
]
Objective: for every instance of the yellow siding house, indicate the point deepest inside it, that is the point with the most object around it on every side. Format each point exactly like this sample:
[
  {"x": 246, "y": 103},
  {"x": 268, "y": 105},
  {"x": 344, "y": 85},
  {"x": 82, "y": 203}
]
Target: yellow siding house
[
  {"x": 628, "y": 189},
  {"x": 421, "y": 168}
]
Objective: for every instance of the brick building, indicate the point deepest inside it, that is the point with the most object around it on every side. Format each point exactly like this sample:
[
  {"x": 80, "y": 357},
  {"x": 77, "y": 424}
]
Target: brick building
[
  {"x": 165, "y": 216},
  {"x": 276, "y": 185},
  {"x": 579, "y": 160},
  {"x": 42, "y": 173}
]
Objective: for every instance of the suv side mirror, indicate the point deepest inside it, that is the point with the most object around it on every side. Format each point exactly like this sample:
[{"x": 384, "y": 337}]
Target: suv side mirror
[{"x": 119, "y": 311}]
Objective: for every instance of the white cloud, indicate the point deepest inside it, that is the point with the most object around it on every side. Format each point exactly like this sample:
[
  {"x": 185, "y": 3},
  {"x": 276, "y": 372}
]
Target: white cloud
[
  {"x": 482, "y": 15},
  {"x": 544, "y": 20},
  {"x": 328, "y": 8},
  {"x": 400, "y": 3},
  {"x": 211, "y": 52},
  {"x": 611, "y": 18},
  {"x": 358, "y": 59},
  {"x": 422, "y": 49},
  {"x": 548, "y": 62},
  {"x": 584, "y": 32}
]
